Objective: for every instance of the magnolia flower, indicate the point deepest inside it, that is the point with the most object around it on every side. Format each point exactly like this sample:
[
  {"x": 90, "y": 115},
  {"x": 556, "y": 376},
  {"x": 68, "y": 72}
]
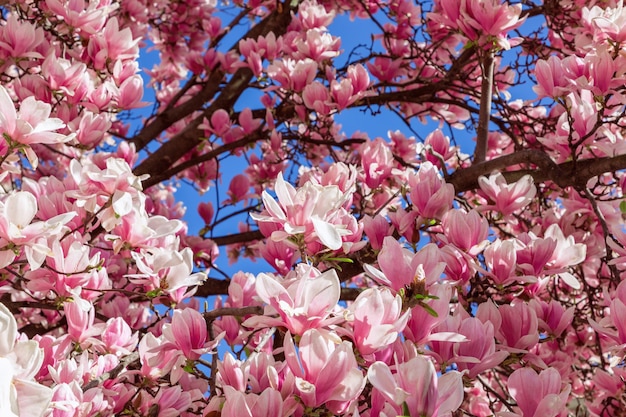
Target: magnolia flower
[
  {"x": 303, "y": 301},
  {"x": 416, "y": 386},
  {"x": 538, "y": 395},
  {"x": 20, "y": 361},
  {"x": 325, "y": 369},
  {"x": 17, "y": 213},
  {"x": 32, "y": 124},
  {"x": 312, "y": 210},
  {"x": 378, "y": 319},
  {"x": 507, "y": 198}
]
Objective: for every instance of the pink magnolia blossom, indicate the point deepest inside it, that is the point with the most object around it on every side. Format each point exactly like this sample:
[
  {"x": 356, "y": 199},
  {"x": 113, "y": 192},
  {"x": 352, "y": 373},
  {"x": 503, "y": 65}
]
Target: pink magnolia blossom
[
  {"x": 507, "y": 198},
  {"x": 421, "y": 323},
  {"x": 317, "y": 45},
  {"x": 377, "y": 161},
  {"x": 467, "y": 231},
  {"x": 111, "y": 44},
  {"x": 609, "y": 21},
  {"x": 238, "y": 188},
  {"x": 188, "y": 333},
  {"x": 437, "y": 148},
  {"x": 430, "y": 195},
  {"x": 206, "y": 211},
  {"x": 376, "y": 229},
  {"x": 89, "y": 17},
  {"x": 538, "y": 395},
  {"x": 479, "y": 352},
  {"x": 326, "y": 370},
  {"x": 551, "y": 80},
  {"x": 400, "y": 268},
  {"x": 378, "y": 319},
  {"x": 293, "y": 75},
  {"x": 415, "y": 383},
  {"x": 489, "y": 21},
  {"x": 309, "y": 209},
  {"x": 117, "y": 337},
  {"x": 316, "y": 97},
  {"x": 552, "y": 317},
  {"x": 303, "y": 300},
  {"x": 17, "y": 227},
  {"x": 166, "y": 270},
  {"x": 501, "y": 259},
  {"x": 516, "y": 326},
  {"x": 20, "y": 394},
  {"x": 19, "y": 39},
  {"x": 612, "y": 326},
  {"x": 269, "y": 403},
  {"x": 31, "y": 125}
]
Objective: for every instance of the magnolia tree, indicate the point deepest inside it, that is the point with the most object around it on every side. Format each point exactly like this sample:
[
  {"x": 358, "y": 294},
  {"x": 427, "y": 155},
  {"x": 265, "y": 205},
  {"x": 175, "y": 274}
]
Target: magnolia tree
[{"x": 406, "y": 275}]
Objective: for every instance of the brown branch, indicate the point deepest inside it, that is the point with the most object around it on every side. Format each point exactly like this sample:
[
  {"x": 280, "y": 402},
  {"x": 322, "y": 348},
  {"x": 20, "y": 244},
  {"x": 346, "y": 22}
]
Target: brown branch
[
  {"x": 571, "y": 173},
  {"x": 486, "y": 92},
  {"x": 213, "y": 286},
  {"x": 232, "y": 311},
  {"x": 188, "y": 138},
  {"x": 211, "y": 87},
  {"x": 237, "y": 238},
  {"x": 172, "y": 115},
  {"x": 467, "y": 179},
  {"x": 177, "y": 145}
]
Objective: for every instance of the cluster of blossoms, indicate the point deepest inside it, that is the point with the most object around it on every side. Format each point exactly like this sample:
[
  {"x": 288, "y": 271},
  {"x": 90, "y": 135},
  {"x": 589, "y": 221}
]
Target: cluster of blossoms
[{"x": 408, "y": 280}]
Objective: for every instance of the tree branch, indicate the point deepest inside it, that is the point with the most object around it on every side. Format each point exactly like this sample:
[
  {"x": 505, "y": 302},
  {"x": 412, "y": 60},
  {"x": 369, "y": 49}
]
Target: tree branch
[
  {"x": 486, "y": 92},
  {"x": 571, "y": 173},
  {"x": 188, "y": 138},
  {"x": 237, "y": 238}
]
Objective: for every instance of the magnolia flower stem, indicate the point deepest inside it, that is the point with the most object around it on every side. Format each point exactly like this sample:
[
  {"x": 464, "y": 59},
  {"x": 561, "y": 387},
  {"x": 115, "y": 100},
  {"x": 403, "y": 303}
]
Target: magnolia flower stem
[{"x": 486, "y": 91}]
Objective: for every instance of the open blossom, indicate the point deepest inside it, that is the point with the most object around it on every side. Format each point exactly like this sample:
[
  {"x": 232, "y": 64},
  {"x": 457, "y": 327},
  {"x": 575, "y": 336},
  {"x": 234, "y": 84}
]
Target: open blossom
[
  {"x": 20, "y": 361},
  {"x": 431, "y": 196},
  {"x": 507, "y": 198},
  {"x": 378, "y": 319},
  {"x": 400, "y": 268},
  {"x": 313, "y": 210},
  {"x": 538, "y": 395},
  {"x": 415, "y": 383},
  {"x": 17, "y": 227},
  {"x": 303, "y": 300},
  {"x": 269, "y": 403},
  {"x": 166, "y": 269},
  {"x": 489, "y": 21},
  {"x": 31, "y": 125},
  {"x": 325, "y": 369},
  {"x": 485, "y": 21}
]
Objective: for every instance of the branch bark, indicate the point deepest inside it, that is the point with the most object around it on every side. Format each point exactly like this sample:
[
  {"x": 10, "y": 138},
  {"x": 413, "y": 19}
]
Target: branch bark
[
  {"x": 486, "y": 92},
  {"x": 212, "y": 86},
  {"x": 571, "y": 173},
  {"x": 170, "y": 152}
]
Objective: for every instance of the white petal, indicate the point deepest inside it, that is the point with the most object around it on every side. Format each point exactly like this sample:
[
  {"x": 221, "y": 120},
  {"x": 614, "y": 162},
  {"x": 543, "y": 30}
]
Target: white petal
[
  {"x": 122, "y": 203},
  {"x": 8, "y": 331},
  {"x": 21, "y": 208},
  {"x": 570, "y": 280},
  {"x": 327, "y": 233}
]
